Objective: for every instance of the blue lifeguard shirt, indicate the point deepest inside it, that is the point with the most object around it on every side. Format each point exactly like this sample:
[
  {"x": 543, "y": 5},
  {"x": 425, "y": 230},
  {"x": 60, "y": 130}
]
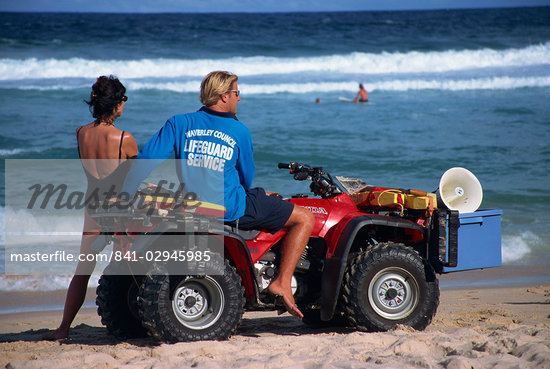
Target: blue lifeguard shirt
[{"x": 217, "y": 158}]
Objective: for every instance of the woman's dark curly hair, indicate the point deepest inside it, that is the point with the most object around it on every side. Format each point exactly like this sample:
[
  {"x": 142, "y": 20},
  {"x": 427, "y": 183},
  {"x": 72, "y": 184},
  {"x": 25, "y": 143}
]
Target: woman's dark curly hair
[{"x": 107, "y": 93}]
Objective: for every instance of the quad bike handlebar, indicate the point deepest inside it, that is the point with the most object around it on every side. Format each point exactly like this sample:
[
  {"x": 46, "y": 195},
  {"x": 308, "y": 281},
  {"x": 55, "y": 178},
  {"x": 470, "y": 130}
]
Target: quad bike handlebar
[{"x": 322, "y": 183}]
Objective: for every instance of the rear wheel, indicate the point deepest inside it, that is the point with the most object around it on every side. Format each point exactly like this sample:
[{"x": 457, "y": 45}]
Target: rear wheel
[
  {"x": 191, "y": 308},
  {"x": 117, "y": 305},
  {"x": 390, "y": 284}
]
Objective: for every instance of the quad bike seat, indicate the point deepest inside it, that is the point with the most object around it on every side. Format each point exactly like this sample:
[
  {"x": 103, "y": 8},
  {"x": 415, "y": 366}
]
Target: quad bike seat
[{"x": 247, "y": 235}]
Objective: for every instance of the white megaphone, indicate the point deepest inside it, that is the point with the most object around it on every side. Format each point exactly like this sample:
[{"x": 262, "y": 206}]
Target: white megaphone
[{"x": 460, "y": 190}]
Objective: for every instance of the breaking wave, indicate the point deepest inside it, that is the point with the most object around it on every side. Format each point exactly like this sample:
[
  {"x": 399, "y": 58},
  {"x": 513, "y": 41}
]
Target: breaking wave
[
  {"x": 500, "y": 83},
  {"x": 353, "y": 63},
  {"x": 489, "y": 83}
]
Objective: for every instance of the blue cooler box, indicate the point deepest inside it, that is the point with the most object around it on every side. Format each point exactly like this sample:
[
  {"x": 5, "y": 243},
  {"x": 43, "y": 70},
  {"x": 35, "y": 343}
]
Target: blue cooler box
[{"x": 479, "y": 243}]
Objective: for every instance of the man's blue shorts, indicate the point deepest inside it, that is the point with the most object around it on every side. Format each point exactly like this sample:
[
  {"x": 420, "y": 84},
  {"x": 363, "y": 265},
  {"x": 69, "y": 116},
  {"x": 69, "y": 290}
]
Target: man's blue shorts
[{"x": 264, "y": 212}]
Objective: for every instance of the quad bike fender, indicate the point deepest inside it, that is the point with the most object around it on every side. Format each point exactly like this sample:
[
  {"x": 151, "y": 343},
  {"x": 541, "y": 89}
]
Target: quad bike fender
[
  {"x": 142, "y": 242},
  {"x": 235, "y": 250},
  {"x": 335, "y": 266}
]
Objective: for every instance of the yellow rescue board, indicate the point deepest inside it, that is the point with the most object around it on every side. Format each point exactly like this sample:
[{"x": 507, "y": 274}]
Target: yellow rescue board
[
  {"x": 391, "y": 197},
  {"x": 420, "y": 202}
]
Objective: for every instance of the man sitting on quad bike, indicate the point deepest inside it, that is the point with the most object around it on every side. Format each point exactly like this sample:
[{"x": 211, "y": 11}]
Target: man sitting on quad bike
[{"x": 220, "y": 143}]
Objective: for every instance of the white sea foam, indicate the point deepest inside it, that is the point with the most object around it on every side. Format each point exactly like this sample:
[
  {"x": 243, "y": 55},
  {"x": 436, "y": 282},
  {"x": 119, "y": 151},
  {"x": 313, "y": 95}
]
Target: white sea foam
[
  {"x": 404, "y": 84},
  {"x": 9, "y": 152},
  {"x": 23, "y": 226},
  {"x": 493, "y": 83},
  {"x": 500, "y": 83},
  {"x": 353, "y": 63},
  {"x": 36, "y": 283},
  {"x": 517, "y": 247}
]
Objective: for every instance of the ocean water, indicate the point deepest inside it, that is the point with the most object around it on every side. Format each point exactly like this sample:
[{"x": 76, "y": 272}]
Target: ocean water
[{"x": 447, "y": 88}]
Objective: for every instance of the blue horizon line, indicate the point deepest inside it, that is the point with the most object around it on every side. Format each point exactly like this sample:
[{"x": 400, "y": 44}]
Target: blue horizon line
[{"x": 3, "y": 11}]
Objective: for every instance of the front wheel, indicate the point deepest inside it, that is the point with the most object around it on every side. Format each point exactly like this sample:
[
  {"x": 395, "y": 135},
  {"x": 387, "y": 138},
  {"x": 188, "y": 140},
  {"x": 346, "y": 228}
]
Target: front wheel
[
  {"x": 390, "y": 284},
  {"x": 191, "y": 308}
]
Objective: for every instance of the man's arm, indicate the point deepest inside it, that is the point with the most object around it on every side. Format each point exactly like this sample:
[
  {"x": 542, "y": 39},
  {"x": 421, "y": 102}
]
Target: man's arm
[{"x": 155, "y": 151}]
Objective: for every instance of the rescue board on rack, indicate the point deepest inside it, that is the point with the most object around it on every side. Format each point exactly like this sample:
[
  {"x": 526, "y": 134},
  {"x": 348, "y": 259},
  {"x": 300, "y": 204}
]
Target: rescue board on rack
[{"x": 392, "y": 197}]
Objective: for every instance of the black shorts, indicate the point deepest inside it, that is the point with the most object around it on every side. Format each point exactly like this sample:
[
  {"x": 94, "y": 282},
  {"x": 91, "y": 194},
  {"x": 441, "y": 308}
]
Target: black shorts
[{"x": 264, "y": 212}]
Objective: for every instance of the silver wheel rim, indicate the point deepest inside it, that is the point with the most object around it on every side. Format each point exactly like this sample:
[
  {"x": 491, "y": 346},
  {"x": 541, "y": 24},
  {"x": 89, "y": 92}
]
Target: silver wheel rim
[
  {"x": 198, "y": 302},
  {"x": 393, "y": 293}
]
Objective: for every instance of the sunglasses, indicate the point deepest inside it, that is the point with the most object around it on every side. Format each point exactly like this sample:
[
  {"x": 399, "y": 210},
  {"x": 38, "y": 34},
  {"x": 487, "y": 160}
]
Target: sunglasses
[
  {"x": 124, "y": 98},
  {"x": 237, "y": 92}
]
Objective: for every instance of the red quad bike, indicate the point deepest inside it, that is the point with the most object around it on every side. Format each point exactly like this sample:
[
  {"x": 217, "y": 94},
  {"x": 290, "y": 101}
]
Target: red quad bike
[{"x": 370, "y": 263}]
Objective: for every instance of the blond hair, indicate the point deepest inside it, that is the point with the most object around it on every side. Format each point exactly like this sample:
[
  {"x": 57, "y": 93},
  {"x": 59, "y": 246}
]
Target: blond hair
[{"x": 216, "y": 84}]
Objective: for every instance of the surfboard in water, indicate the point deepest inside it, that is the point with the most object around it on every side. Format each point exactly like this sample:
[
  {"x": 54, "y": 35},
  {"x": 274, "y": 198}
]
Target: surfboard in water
[{"x": 345, "y": 99}]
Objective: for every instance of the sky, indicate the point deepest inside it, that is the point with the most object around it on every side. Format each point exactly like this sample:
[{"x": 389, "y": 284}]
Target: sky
[{"x": 215, "y": 6}]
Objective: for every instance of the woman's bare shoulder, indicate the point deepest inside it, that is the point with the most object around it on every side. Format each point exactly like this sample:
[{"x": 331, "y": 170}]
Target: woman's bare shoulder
[
  {"x": 128, "y": 135},
  {"x": 84, "y": 126},
  {"x": 130, "y": 146}
]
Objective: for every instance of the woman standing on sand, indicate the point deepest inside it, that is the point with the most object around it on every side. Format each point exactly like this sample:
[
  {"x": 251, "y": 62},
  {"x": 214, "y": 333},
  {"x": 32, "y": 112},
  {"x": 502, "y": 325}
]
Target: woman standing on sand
[{"x": 97, "y": 140}]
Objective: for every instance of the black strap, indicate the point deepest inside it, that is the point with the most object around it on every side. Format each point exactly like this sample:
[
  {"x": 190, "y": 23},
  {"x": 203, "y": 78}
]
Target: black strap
[
  {"x": 454, "y": 223},
  {"x": 78, "y": 143},
  {"x": 120, "y": 147}
]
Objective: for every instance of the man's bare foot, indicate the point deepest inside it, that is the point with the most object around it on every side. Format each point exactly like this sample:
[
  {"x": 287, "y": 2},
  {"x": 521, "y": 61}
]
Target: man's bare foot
[
  {"x": 287, "y": 300},
  {"x": 58, "y": 334}
]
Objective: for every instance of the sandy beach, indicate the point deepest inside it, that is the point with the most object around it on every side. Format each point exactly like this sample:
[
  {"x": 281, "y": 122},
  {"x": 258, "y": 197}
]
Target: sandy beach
[{"x": 497, "y": 327}]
